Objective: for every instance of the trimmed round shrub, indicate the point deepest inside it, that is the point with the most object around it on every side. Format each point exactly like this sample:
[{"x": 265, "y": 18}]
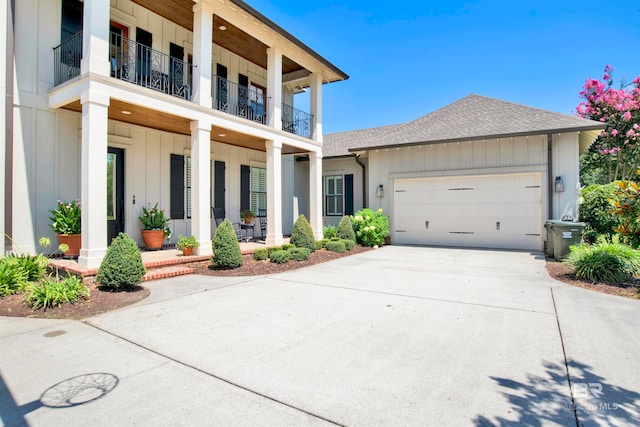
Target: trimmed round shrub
[
  {"x": 122, "y": 265},
  {"x": 226, "y": 249},
  {"x": 595, "y": 208},
  {"x": 320, "y": 244},
  {"x": 345, "y": 229},
  {"x": 280, "y": 257},
  {"x": 348, "y": 244},
  {"x": 272, "y": 249},
  {"x": 302, "y": 234},
  {"x": 260, "y": 254},
  {"x": 336, "y": 246},
  {"x": 300, "y": 254},
  {"x": 329, "y": 231},
  {"x": 610, "y": 262},
  {"x": 287, "y": 246}
]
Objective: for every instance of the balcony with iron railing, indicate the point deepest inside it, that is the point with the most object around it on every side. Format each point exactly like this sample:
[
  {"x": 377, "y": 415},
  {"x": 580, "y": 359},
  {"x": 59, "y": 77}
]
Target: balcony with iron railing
[{"x": 139, "y": 64}]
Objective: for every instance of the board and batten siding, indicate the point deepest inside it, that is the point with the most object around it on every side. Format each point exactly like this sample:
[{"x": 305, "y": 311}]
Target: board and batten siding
[{"x": 343, "y": 166}]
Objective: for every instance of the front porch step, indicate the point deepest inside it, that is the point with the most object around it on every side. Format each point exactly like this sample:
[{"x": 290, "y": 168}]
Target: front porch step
[{"x": 165, "y": 272}]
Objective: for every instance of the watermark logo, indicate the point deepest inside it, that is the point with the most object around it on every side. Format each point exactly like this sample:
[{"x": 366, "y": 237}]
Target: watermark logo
[
  {"x": 588, "y": 397},
  {"x": 587, "y": 390}
]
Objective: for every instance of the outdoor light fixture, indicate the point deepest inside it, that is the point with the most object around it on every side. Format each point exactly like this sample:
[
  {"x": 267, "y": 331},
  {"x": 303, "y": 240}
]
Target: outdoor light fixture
[
  {"x": 380, "y": 191},
  {"x": 559, "y": 184},
  {"x": 222, "y": 28}
]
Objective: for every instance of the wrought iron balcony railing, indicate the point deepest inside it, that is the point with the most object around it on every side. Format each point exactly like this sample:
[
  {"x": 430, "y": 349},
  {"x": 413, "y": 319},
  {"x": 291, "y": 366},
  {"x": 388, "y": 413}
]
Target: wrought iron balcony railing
[
  {"x": 67, "y": 59},
  {"x": 238, "y": 100},
  {"x": 296, "y": 121}
]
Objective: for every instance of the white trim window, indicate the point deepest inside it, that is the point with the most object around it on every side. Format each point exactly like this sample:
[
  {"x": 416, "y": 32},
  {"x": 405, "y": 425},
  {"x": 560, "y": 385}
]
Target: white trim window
[
  {"x": 258, "y": 189},
  {"x": 333, "y": 195}
]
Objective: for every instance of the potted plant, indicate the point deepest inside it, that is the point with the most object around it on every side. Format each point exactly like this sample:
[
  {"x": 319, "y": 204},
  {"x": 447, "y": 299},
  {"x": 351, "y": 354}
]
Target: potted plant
[
  {"x": 247, "y": 215},
  {"x": 187, "y": 244},
  {"x": 65, "y": 222},
  {"x": 155, "y": 227}
]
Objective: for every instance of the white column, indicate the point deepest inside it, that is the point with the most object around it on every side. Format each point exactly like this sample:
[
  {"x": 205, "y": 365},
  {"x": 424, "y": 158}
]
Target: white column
[
  {"x": 93, "y": 185},
  {"x": 274, "y": 87},
  {"x": 95, "y": 37},
  {"x": 316, "y": 106},
  {"x": 274, "y": 193},
  {"x": 202, "y": 41},
  {"x": 315, "y": 193},
  {"x": 200, "y": 185}
]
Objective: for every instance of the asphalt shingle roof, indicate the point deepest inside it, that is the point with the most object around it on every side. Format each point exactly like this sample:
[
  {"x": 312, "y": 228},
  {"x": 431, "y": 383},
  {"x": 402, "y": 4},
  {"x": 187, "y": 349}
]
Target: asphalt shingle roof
[{"x": 470, "y": 118}]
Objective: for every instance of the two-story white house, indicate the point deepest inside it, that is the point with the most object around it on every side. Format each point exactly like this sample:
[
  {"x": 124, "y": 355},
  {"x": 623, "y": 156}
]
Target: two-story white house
[{"x": 127, "y": 103}]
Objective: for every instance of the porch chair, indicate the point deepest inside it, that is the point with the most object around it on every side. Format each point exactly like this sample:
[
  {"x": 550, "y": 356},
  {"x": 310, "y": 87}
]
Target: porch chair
[
  {"x": 218, "y": 216},
  {"x": 262, "y": 217}
]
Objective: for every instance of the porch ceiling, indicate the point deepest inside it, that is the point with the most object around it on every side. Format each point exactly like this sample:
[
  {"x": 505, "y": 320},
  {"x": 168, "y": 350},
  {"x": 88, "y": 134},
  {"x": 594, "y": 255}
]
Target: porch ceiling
[
  {"x": 233, "y": 39},
  {"x": 159, "y": 120}
]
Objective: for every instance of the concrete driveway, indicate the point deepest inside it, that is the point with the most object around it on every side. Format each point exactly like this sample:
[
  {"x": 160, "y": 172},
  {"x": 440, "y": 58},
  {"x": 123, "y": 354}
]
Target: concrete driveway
[{"x": 396, "y": 336}]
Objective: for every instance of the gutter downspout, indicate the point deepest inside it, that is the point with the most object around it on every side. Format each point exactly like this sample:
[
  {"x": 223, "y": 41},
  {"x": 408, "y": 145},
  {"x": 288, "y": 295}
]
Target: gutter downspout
[
  {"x": 550, "y": 175},
  {"x": 364, "y": 181},
  {"x": 8, "y": 145}
]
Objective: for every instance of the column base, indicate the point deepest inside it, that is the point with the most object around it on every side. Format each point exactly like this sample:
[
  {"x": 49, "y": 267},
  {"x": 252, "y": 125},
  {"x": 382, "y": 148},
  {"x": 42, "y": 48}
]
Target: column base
[
  {"x": 205, "y": 248},
  {"x": 91, "y": 258},
  {"x": 274, "y": 240}
]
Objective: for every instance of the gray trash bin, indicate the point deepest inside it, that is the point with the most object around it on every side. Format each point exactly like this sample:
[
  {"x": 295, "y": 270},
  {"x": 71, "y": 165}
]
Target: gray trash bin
[
  {"x": 549, "y": 226},
  {"x": 564, "y": 235}
]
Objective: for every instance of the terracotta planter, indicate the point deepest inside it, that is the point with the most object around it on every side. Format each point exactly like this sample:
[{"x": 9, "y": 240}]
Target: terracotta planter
[
  {"x": 187, "y": 251},
  {"x": 248, "y": 220},
  {"x": 153, "y": 239},
  {"x": 74, "y": 241}
]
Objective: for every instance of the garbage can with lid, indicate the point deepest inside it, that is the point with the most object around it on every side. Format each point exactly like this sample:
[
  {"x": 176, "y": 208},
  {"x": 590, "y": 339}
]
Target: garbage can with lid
[
  {"x": 566, "y": 234},
  {"x": 549, "y": 226}
]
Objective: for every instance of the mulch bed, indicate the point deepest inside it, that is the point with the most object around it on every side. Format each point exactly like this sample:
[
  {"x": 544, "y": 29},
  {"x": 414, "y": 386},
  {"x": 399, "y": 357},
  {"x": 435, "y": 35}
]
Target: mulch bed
[{"x": 562, "y": 273}]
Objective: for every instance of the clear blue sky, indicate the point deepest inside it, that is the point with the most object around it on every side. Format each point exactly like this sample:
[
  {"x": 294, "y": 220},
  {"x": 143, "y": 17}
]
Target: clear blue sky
[{"x": 407, "y": 58}]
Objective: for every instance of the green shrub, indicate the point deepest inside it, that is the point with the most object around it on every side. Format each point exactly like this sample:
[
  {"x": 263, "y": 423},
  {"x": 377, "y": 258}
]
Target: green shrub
[
  {"x": 260, "y": 254},
  {"x": 34, "y": 265},
  {"x": 320, "y": 244},
  {"x": 348, "y": 244},
  {"x": 345, "y": 229},
  {"x": 122, "y": 265},
  {"x": 53, "y": 291},
  {"x": 336, "y": 246},
  {"x": 604, "y": 261},
  {"x": 300, "y": 254},
  {"x": 226, "y": 249},
  {"x": 329, "y": 231},
  {"x": 280, "y": 257},
  {"x": 302, "y": 234},
  {"x": 272, "y": 249},
  {"x": 370, "y": 227},
  {"x": 595, "y": 208},
  {"x": 287, "y": 246},
  {"x": 12, "y": 277}
]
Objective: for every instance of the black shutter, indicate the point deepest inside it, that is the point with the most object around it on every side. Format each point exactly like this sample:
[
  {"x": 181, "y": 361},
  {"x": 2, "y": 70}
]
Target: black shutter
[
  {"x": 219, "y": 185},
  {"x": 245, "y": 189},
  {"x": 177, "y": 186},
  {"x": 348, "y": 194},
  {"x": 243, "y": 95}
]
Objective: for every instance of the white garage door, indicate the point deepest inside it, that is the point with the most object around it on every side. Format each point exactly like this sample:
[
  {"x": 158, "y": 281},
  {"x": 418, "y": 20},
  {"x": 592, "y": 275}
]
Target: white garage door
[{"x": 496, "y": 211}]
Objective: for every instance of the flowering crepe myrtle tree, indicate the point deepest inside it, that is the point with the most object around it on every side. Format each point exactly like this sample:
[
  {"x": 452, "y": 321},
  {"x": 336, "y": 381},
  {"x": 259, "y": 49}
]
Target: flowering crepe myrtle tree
[{"x": 615, "y": 154}]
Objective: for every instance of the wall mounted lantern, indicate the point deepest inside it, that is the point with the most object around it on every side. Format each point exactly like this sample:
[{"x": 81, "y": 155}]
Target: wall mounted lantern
[
  {"x": 380, "y": 191},
  {"x": 559, "y": 184}
]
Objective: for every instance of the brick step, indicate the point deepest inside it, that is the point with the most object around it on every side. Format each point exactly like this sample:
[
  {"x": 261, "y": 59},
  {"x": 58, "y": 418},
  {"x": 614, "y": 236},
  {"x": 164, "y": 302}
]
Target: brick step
[{"x": 156, "y": 273}]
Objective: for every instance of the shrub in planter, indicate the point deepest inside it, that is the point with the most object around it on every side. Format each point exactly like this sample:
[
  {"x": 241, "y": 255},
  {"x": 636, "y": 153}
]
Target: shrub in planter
[
  {"x": 226, "y": 249},
  {"x": 595, "y": 208},
  {"x": 287, "y": 246},
  {"x": 345, "y": 229},
  {"x": 334, "y": 246},
  {"x": 604, "y": 261},
  {"x": 329, "y": 231},
  {"x": 122, "y": 265},
  {"x": 53, "y": 291},
  {"x": 280, "y": 257},
  {"x": 260, "y": 254},
  {"x": 302, "y": 234},
  {"x": 370, "y": 227},
  {"x": 348, "y": 244},
  {"x": 300, "y": 254}
]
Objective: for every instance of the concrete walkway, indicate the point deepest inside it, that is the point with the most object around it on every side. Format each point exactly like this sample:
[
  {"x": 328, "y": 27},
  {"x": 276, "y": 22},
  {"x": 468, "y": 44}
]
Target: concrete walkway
[{"x": 397, "y": 336}]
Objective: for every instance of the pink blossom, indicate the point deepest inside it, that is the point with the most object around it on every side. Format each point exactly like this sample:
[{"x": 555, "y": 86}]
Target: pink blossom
[
  {"x": 614, "y": 132},
  {"x": 626, "y": 115},
  {"x": 608, "y": 69}
]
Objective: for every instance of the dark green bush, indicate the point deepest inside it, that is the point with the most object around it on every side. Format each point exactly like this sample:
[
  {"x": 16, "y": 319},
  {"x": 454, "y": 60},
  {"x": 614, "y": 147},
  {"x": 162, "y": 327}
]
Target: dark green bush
[
  {"x": 260, "y": 254},
  {"x": 595, "y": 208},
  {"x": 300, "y": 254},
  {"x": 336, "y": 246},
  {"x": 272, "y": 249},
  {"x": 226, "y": 249},
  {"x": 122, "y": 265},
  {"x": 604, "y": 261},
  {"x": 12, "y": 277},
  {"x": 280, "y": 257},
  {"x": 54, "y": 291},
  {"x": 345, "y": 229},
  {"x": 320, "y": 244},
  {"x": 329, "y": 231},
  {"x": 302, "y": 234},
  {"x": 348, "y": 244},
  {"x": 287, "y": 246}
]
